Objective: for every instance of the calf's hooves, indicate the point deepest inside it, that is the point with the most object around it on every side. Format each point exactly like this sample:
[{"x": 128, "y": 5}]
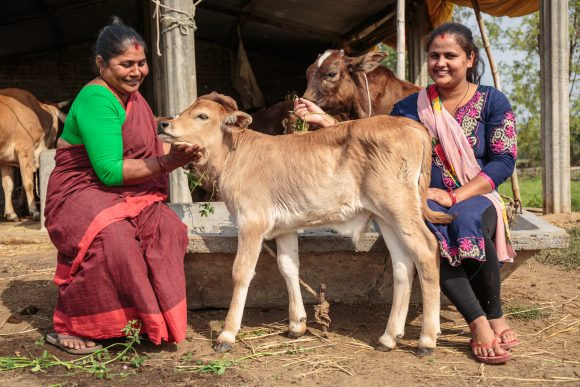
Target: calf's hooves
[
  {"x": 383, "y": 348},
  {"x": 36, "y": 217},
  {"x": 223, "y": 347},
  {"x": 422, "y": 352},
  {"x": 294, "y": 335},
  {"x": 11, "y": 218}
]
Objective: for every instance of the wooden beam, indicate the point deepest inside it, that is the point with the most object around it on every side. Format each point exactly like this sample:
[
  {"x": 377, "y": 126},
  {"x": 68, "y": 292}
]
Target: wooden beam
[
  {"x": 378, "y": 19},
  {"x": 401, "y": 39}
]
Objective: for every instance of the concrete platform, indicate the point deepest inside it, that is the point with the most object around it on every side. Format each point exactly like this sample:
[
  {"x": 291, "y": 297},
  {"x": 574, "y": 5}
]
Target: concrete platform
[{"x": 354, "y": 274}]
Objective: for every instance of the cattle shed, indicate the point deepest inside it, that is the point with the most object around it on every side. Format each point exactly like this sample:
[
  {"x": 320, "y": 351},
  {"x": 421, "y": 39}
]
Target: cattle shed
[
  {"x": 257, "y": 51},
  {"x": 200, "y": 45}
]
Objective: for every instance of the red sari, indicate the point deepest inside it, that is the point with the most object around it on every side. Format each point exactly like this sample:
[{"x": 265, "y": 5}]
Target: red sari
[{"x": 120, "y": 249}]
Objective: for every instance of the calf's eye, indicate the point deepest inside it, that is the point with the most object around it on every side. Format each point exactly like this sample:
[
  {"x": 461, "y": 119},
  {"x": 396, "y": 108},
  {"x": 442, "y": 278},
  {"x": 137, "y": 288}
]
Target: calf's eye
[
  {"x": 330, "y": 75},
  {"x": 202, "y": 116}
]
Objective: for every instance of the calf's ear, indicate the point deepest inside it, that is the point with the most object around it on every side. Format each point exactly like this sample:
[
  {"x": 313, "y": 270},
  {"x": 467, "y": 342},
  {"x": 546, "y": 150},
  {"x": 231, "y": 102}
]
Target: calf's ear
[
  {"x": 237, "y": 120},
  {"x": 368, "y": 62}
]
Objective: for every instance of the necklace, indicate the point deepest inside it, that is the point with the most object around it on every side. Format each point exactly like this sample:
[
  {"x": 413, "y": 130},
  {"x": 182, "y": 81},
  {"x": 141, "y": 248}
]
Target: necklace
[
  {"x": 114, "y": 92},
  {"x": 461, "y": 100}
]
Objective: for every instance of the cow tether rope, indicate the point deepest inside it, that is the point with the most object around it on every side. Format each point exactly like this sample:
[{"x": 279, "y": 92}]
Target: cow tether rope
[
  {"x": 184, "y": 24},
  {"x": 368, "y": 93}
]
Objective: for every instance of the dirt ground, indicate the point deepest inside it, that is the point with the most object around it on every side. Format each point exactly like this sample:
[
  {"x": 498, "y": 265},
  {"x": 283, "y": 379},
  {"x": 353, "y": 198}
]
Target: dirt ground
[{"x": 543, "y": 302}]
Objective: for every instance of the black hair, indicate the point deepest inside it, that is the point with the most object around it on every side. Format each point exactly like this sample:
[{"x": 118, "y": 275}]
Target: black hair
[
  {"x": 464, "y": 38},
  {"x": 115, "y": 38}
]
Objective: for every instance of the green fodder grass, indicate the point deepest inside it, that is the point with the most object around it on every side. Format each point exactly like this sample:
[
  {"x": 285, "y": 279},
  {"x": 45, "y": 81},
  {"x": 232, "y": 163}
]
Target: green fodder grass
[
  {"x": 531, "y": 191},
  {"x": 525, "y": 312}
]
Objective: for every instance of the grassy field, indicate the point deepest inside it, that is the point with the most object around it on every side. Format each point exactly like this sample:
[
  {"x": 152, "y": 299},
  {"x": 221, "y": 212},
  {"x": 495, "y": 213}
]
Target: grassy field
[{"x": 531, "y": 191}]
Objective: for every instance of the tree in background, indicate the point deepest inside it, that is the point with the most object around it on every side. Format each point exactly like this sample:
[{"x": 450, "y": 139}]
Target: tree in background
[{"x": 521, "y": 78}]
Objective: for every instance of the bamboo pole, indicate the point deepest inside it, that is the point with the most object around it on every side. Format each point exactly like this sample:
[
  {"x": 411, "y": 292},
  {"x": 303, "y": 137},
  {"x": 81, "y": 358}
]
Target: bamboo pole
[
  {"x": 401, "y": 39},
  {"x": 495, "y": 74}
]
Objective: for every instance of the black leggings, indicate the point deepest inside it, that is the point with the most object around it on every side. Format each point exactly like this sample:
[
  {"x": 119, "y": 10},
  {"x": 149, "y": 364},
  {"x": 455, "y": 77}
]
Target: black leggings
[{"x": 474, "y": 286}]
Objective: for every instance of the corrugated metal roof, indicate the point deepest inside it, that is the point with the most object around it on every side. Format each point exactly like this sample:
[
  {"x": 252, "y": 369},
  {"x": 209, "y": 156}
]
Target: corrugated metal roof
[{"x": 276, "y": 26}]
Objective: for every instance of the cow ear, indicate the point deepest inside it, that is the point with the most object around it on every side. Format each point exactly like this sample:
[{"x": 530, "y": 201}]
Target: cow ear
[
  {"x": 237, "y": 120},
  {"x": 369, "y": 62}
]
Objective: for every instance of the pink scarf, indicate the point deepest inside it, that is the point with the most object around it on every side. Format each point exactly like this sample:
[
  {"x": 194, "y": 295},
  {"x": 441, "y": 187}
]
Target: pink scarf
[{"x": 459, "y": 153}]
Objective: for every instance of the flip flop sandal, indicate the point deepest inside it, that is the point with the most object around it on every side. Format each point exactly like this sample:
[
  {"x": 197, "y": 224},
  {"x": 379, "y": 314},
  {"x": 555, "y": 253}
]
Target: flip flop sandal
[
  {"x": 55, "y": 339},
  {"x": 498, "y": 359},
  {"x": 510, "y": 344}
]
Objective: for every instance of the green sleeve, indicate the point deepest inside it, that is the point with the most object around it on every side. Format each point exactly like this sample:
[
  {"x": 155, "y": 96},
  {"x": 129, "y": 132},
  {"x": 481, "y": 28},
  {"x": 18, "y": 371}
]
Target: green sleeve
[{"x": 99, "y": 118}]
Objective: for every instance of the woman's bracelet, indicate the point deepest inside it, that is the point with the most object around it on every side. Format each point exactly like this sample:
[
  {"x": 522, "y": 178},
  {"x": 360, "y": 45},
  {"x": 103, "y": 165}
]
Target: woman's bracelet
[
  {"x": 162, "y": 166},
  {"x": 453, "y": 197}
]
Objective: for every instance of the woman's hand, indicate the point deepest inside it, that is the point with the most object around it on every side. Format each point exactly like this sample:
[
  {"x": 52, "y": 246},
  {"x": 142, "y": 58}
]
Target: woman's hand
[
  {"x": 181, "y": 154},
  {"x": 310, "y": 112},
  {"x": 439, "y": 196}
]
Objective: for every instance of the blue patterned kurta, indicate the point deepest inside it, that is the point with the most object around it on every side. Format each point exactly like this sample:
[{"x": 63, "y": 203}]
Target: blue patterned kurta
[{"x": 488, "y": 122}]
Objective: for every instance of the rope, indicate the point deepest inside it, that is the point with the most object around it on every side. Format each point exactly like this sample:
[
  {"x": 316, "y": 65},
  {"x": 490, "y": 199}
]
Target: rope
[
  {"x": 368, "y": 94},
  {"x": 184, "y": 20}
]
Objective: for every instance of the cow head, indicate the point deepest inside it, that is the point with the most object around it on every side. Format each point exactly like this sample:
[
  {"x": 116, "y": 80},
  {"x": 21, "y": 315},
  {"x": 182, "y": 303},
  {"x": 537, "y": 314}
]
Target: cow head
[
  {"x": 331, "y": 78},
  {"x": 209, "y": 122},
  {"x": 52, "y": 128}
]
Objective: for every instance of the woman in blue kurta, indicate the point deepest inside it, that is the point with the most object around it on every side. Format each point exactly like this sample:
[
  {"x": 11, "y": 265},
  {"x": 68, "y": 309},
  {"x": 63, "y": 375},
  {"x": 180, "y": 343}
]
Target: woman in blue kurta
[{"x": 474, "y": 151}]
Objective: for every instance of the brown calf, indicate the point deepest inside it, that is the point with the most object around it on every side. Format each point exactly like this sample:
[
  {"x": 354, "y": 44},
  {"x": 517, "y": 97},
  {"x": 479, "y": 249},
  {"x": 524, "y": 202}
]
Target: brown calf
[
  {"x": 27, "y": 126},
  {"x": 354, "y": 87},
  {"x": 341, "y": 177}
]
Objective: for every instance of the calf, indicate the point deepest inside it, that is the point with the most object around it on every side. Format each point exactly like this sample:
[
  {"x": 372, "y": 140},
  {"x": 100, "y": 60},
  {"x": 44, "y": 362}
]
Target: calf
[
  {"x": 274, "y": 120},
  {"x": 27, "y": 126},
  {"x": 354, "y": 87},
  {"x": 341, "y": 177}
]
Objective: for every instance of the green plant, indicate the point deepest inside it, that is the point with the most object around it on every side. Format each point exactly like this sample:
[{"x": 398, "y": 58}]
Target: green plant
[
  {"x": 525, "y": 312},
  {"x": 97, "y": 363},
  {"x": 194, "y": 181}
]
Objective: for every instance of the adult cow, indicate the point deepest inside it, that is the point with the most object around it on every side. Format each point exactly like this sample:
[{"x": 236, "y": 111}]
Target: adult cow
[
  {"x": 27, "y": 126},
  {"x": 354, "y": 87},
  {"x": 341, "y": 177}
]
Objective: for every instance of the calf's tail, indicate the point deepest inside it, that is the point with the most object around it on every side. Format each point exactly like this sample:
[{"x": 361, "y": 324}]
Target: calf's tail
[{"x": 424, "y": 181}]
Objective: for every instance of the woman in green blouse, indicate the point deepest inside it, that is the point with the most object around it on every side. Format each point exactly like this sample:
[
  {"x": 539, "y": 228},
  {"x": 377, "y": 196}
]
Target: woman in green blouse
[{"x": 120, "y": 248}]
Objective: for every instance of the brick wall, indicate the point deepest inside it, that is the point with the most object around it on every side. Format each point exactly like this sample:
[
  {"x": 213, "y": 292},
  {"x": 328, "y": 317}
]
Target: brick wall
[{"x": 59, "y": 75}]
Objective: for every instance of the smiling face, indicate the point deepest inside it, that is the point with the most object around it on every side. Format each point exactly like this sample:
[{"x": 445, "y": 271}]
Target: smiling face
[
  {"x": 125, "y": 72},
  {"x": 447, "y": 62}
]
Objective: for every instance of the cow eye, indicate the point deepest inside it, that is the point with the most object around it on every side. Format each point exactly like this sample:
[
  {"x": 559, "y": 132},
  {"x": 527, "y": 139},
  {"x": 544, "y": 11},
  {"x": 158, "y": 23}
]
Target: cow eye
[
  {"x": 330, "y": 75},
  {"x": 202, "y": 116}
]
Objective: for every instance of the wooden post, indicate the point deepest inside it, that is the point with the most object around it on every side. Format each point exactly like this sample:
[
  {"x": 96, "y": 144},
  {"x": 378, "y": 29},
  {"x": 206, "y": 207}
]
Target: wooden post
[
  {"x": 555, "y": 110},
  {"x": 174, "y": 71},
  {"x": 418, "y": 73},
  {"x": 401, "y": 39},
  {"x": 495, "y": 74}
]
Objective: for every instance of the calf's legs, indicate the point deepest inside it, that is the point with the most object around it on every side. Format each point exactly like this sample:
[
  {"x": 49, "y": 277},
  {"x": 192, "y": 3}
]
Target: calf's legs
[
  {"x": 289, "y": 264},
  {"x": 8, "y": 188},
  {"x": 413, "y": 246},
  {"x": 27, "y": 172},
  {"x": 403, "y": 272},
  {"x": 249, "y": 245}
]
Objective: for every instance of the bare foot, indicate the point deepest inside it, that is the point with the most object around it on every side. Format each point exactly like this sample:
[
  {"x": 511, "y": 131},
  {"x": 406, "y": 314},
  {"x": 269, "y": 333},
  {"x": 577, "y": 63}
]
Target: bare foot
[
  {"x": 500, "y": 325},
  {"x": 75, "y": 342},
  {"x": 481, "y": 332}
]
